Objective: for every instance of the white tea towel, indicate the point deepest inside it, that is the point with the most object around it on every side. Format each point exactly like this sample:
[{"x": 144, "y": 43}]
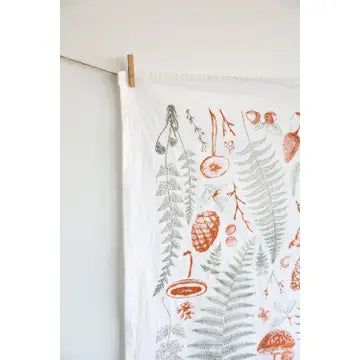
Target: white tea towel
[{"x": 211, "y": 218}]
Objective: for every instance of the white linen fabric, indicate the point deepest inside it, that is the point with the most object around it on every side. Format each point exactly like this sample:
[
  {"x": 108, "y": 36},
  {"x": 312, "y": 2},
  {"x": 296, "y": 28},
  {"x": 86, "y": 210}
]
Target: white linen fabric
[{"x": 211, "y": 218}]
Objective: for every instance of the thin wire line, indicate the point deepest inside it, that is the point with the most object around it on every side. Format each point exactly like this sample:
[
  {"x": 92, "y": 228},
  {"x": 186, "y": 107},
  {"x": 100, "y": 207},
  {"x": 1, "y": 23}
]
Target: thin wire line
[{"x": 86, "y": 64}]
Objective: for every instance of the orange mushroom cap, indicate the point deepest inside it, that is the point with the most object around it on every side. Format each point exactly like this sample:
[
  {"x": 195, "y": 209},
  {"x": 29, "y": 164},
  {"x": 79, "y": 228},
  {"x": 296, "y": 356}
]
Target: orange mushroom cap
[{"x": 277, "y": 340}]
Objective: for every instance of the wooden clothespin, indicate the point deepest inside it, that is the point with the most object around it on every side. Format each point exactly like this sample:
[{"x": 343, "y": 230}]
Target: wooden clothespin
[{"x": 131, "y": 70}]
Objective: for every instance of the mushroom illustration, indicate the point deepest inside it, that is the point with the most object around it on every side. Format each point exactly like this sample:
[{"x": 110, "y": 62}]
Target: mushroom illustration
[
  {"x": 187, "y": 287},
  {"x": 214, "y": 166},
  {"x": 276, "y": 343}
]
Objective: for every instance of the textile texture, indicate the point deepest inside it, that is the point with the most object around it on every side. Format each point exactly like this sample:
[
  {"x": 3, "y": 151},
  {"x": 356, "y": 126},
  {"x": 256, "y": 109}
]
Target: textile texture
[{"x": 211, "y": 213}]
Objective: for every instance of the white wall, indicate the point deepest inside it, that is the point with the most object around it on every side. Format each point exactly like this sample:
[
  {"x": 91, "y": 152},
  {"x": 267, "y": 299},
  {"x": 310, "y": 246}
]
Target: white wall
[
  {"x": 227, "y": 37},
  {"x": 91, "y": 260}
]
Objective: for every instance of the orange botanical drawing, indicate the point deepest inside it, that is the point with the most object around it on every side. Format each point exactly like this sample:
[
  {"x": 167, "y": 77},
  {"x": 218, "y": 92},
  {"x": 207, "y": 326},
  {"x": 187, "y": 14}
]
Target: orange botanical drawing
[
  {"x": 270, "y": 117},
  {"x": 298, "y": 205},
  {"x": 253, "y": 116},
  {"x": 185, "y": 310},
  {"x": 263, "y": 314},
  {"x": 205, "y": 230},
  {"x": 230, "y": 229},
  {"x": 237, "y": 206},
  {"x": 231, "y": 241},
  {"x": 186, "y": 287},
  {"x": 214, "y": 166},
  {"x": 226, "y": 124},
  {"x": 295, "y": 276},
  {"x": 284, "y": 262},
  {"x": 287, "y": 355},
  {"x": 276, "y": 343},
  {"x": 296, "y": 240},
  {"x": 291, "y": 143}
]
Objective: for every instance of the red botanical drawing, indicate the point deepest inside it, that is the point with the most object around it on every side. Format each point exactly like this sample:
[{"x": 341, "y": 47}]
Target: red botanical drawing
[
  {"x": 284, "y": 262},
  {"x": 231, "y": 241},
  {"x": 295, "y": 276},
  {"x": 275, "y": 343},
  {"x": 253, "y": 116},
  {"x": 226, "y": 124},
  {"x": 270, "y": 117},
  {"x": 291, "y": 142},
  {"x": 214, "y": 166},
  {"x": 237, "y": 206},
  {"x": 269, "y": 122},
  {"x": 296, "y": 240},
  {"x": 185, "y": 310},
  {"x": 186, "y": 287},
  {"x": 230, "y": 229},
  {"x": 205, "y": 230},
  {"x": 263, "y": 315},
  {"x": 287, "y": 355}
]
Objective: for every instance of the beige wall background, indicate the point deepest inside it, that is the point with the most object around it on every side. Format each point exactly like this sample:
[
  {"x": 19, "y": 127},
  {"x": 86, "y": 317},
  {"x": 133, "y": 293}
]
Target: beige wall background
[
  {"x": 227, "y": 37},
  {"x": 256, "y": 38}
]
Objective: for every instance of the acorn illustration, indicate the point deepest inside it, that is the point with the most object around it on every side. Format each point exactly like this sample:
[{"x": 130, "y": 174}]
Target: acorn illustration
[{"x": 205, "y": 230}]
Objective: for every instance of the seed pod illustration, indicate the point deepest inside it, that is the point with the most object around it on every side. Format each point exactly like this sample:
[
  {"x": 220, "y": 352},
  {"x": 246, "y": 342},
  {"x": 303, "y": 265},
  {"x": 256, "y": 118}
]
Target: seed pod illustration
[
  {"x": 292, "y": 142},
  {"x": 205, "y": 230},
  {"x": 295, "y": 276}
]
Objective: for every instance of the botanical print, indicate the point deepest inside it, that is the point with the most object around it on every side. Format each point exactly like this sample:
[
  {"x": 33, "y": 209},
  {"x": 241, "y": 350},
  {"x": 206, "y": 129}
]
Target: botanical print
[
  {"x": 167, "y": 339},
  {"x": 200, "y": 134},
  {"x": 226, "y": 325},
  {"x": 292, "y": 141},
  {"x": 268, "y": 121},
  {"x": 187, "y": 287},
  {"x": 213, "y": 263},
  {"x": 186, "y": 310},
  {"x": 214, "y": 166},
  {"x": 277, "y": 342},
  {"x": 234, "y": 216},
  {"x": 205, "y": 230}
]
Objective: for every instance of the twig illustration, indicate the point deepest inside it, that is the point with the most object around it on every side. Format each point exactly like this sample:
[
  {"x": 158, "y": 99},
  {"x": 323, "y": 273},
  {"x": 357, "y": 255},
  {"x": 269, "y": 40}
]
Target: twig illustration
[
  {"x": 237, "y": 206},
  {"x": 226, "y": 124},
  {"x": 199, "y": 132}
]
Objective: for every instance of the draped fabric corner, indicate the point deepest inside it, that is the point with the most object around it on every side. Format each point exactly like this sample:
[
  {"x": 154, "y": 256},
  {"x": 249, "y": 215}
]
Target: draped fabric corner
[{"x": 211, "y": 219}]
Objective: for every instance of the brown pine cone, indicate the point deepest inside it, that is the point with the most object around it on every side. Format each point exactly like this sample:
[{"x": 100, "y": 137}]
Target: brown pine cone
[{"x": 205, "y": 230}]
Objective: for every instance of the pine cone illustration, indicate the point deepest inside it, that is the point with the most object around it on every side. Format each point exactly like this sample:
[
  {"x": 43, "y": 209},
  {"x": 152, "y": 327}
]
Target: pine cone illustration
[
  {"x": 291, "y": 145},
  {"x": 205, "y": 230},
  {"x": 295, "y": 276}
]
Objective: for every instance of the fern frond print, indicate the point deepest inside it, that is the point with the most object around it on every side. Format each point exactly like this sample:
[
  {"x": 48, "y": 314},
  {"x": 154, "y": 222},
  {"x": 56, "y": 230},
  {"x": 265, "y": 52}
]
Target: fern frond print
[
  {"x": 169, "y": 189},
  {"x": 264, "y": 190},
  {"x": 262, "y": 262},
  {"x": 214, "y": 261},
  {"x": 189, "y": 198},
  {"x": 226, "y": 324},
  {"x": 169, "y": 348}
]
